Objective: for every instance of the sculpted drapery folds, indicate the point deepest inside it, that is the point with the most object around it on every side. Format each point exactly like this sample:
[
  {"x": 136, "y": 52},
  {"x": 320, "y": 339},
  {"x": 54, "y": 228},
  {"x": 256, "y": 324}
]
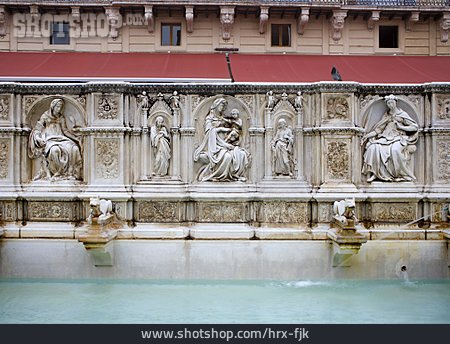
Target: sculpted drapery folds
[
  {"x": 56, "y": 145},
  {"x": 219, "y": 153},
  {"x": 389, "y": 145},
  {"x": 282, "y": 147},
  {"x": 160, "y": 141}
]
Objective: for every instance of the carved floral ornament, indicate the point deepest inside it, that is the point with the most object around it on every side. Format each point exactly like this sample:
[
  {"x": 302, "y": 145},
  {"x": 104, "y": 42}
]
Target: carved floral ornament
[
  {"x": 337, "y": 108},
  {"x": 107, "y": 107},
  {"x": 4, "y": 158},
  {"x": 338, "y": 160},
  {"x": 107, "y": 157},
  {"x": 4, "y": 108}
]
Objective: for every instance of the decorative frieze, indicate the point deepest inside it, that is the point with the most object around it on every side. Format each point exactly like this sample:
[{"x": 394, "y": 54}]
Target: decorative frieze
[
  {"x": 443, "y": 159},
  {"x": 338, "y": 159},
  {"x": 221, "y": 212},
  {"x": 4, "y": 108},
  {"x": 51, "y": 211},
  {"x": 4, "y": 158},
  {"x": 284, "y": 212},
  {"x": 107, "y": 158},
  {"x": 107, "y": 107},
  {"x": 393, "y": 212},
  {"x": 159, "y": 211}
]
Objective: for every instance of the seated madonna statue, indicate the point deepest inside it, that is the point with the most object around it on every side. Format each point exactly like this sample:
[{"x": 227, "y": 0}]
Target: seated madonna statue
[
  {"x": 389, "y": 145},
  {"x": 53, "y": 142},
  {"x": 222, "y": 161}
]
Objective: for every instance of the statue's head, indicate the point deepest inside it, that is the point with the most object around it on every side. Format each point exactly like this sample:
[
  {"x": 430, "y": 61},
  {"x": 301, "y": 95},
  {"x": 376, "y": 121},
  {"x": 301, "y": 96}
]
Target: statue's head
[
  {"x": 282, "y": 123},
  {"x": 159, "y": 121},
  {"x": 391, "y": 101},
  {"x": 219, "y": 105},
  {"x": 57, "y": 106}
]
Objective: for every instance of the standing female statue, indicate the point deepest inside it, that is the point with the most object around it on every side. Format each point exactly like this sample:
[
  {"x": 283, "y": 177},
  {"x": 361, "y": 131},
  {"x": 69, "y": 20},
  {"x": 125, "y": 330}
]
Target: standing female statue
[
  {"x": 282, "y": 145},
  {"x": 58, "y": 147},
  {"x": 389, "y": 145},
  {"x": 222, "y": 161},
  {"x": 160, "y": 139}
]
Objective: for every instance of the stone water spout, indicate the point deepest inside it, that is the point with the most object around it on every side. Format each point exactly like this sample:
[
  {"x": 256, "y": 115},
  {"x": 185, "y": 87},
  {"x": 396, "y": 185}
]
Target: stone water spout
[
  {"x": 98, "y": 238},
  {"x": 344, "y": 237}
]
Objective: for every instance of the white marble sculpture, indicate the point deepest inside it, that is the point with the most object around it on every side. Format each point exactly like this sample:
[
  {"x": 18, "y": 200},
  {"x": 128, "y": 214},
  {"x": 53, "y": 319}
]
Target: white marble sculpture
[
  {"x": 389, "y": 145},
  {"x": 101, "y": 211},
  {"x": 344, "y": 212},
  {"x": 174, "y": 100},
  {"x": 270, "y": 100},
  {"x": 160, "y": 141},
  {"x": 144, "y": 100},
  {"x": 282, "y": 148},
  {"x": 221, "y": 160},
  {"x": 56, "y": 145},
  {"x": 298, "y": 103}
]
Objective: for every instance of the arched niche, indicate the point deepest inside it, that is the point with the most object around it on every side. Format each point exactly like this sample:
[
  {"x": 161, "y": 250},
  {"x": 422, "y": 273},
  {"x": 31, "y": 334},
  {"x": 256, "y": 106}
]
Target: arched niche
[{"x": 74, "y": 119}]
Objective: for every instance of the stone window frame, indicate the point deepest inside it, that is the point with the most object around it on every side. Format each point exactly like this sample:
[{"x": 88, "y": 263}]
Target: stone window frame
[
  {"x": 401, "y": 37},
  {"x": 280, "y": 49}
]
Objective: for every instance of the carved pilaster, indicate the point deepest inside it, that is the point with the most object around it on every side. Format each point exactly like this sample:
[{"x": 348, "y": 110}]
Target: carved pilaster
[
  {"x": 412, "y": 18},
  {"x": 114, "y": 21},
  {"x": 263, "y": 18},
  {"x": 302, "y": 20},
  {"x": 227, "y": 21},
  {"x": 3, "y": 21},
  {"x": 374, "y": 17},
  {"x": 149, "y": 18},
  {"x": 337, "y": 24},
  {"x": 189, "y": 19},
  {"x": 445, "y": 25}
]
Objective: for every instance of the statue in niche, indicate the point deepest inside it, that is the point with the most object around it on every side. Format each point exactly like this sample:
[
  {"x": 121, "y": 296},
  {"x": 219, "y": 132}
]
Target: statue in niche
[
  {"x": 282, "y": 148},
  {"x": 174, "y": 100},
  {"x": 222, "y": 157},
  {"x": 270, "y": 98},
  {"x": 56, "y": 145},
  {"x": 389, "y": 146},
  {"x": 160, "y": 141}
]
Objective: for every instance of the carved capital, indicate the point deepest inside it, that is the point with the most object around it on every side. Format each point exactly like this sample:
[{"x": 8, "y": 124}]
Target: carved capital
[
  {"x": 374, "y": 17},
  {"x": 445, "y": 25},
  {"x": 3, "y": 21},
  {"x": 263, "y": 18},
  {"x": 114, "y": 20},
  {"x": 227, "y": 21},
  {"x": 302, "y": 20},
  {"x": 75, "y": 12},
  {"x": 149, "y": 18},
  {"x": 337, "y": 24},
  {"x": 412, "y": 18},
  {"x": 189, "y": 18}
]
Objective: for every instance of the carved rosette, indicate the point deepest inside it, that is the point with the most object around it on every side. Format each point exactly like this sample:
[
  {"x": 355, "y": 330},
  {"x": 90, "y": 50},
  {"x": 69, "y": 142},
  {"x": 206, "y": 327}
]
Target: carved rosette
[
  {"x": 4, "y": 158},
  {"x": 107, "y": 108},
  {"x": 4, "y": 108},
  {"x": 51, "y": 211},
  {"x": 159, "y": 211},
  {"x": 337, "y": 108},
  {"x": 443, "y": 107},
  {"x": 393, "y": 212},
  {"x": 443, "y": 160},
  {"x": 107, "y": 157},
  {"x": 338, "y": 160},
  {"x": 221, "y": 212},
  {"x": 284, "y": 212}
]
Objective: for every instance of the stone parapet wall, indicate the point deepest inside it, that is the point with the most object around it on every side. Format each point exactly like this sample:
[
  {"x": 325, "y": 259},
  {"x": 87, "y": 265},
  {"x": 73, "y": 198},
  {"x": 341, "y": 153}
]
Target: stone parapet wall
[{"x": 157, "y": 179}]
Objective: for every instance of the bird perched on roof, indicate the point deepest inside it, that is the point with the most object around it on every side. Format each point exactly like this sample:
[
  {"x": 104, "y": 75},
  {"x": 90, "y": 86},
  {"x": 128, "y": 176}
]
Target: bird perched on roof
[{"x": 335, "y": 74}]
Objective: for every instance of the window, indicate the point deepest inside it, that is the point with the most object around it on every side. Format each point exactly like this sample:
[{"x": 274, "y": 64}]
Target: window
[
  {"x": 60, "y": 33},
  {"x": 388, "y": 36},
  {"x": 171, "y": 34},
  {"x": 281, "y": 35}
]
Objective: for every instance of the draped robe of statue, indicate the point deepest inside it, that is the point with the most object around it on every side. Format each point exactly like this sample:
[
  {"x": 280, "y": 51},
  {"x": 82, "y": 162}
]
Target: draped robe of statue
[
  {"x": 282, "y": 145},
  {"x": 59, "y": 149},
  {"x": 388, "y": 151},
  {"x": 222, "y": 161},
  {"x": 160, "y": 141}
]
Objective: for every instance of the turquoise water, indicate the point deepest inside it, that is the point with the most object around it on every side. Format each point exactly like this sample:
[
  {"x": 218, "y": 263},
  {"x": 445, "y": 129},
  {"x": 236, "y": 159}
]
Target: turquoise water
[{"x": 43, "y": 301}]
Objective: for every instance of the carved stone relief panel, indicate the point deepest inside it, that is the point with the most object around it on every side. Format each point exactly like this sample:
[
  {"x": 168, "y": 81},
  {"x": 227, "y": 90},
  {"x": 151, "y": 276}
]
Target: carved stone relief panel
[
  {"x": 337, "y": 159},
  {"x": 8, "y": 211},
  {"x": 52, "y": 211},
  {"x": 394, "y": 212},
  {"x": 159, "y": 211},
  {"x": 325, "y": 212},
  {"x": 443, "y": 159},
  {"x": 283, "y": 212},
  {"x": 337, "y": 108},
  {"x": 28, "y": 102},
  {"x": 5, "y": 107},
  {"x": 4, "y": 157},
  {"x": 440, "y": 212},
  {"x": 107, "y": 109},
  {"x": 222, "y": 212},
  {"x": 442, "y": 108},
  {"x": 222, "y": 143},
  {"x": 107, "y": 157}
]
